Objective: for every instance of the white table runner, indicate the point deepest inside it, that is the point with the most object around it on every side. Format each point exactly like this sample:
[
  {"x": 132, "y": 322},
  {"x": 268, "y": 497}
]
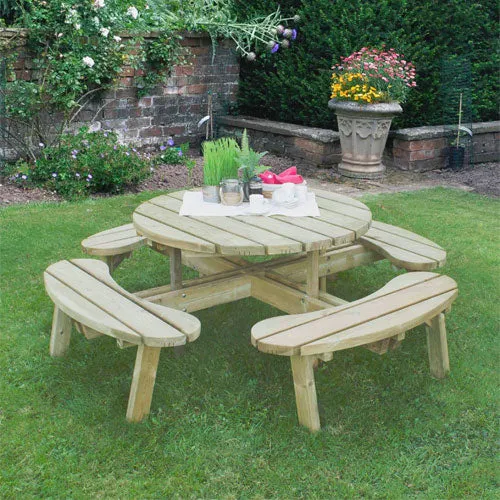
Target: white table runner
[{"x": 193, "y": 204}]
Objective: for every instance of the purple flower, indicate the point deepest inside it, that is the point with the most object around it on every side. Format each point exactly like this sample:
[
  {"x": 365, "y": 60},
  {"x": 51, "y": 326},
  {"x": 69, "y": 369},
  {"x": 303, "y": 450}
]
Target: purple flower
[
  {"x": 77, "y": 175},
  {"x": 89, "y": 176},
  {"x": 180, "y": 153},
  {"x": 134, "y": 150},
  {"x": 162, "y": 147},
  {"x": 127, "y": 153},
  {"x": 170, "y": 142},
  {"x": 105, "y": 134},
  {"x": 275, "y": 48},
  {"x": 24, "y": 177},
  {"x": 74, "y": 157},
  {"x": 294, "y": 34},
  {"x": 102, "y": 155},
  {"x": 74, "y": 152},
  {"x": 115, "y": 148},
  {"x": 54, "y": 174}
]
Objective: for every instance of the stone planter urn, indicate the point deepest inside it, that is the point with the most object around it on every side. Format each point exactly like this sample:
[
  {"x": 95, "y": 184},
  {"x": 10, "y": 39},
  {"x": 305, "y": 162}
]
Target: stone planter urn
[{"x": 363, "y": 130}]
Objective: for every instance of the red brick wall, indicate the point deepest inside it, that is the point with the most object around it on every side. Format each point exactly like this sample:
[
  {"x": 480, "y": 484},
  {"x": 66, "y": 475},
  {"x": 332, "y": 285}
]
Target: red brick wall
[{"x": 173, "y": 108}]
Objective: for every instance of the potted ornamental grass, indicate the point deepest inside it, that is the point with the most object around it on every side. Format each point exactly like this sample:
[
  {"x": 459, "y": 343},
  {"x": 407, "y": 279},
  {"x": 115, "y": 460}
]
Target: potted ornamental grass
[
  {"x": 219, "y": 162},
  {"x": 367, "y": 89}
]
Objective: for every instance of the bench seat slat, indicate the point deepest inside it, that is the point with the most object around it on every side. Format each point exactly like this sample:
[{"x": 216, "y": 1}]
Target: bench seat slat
[
  {"x": 399, "y": 231},
  {"x": 383, "y": 327},
  {"x": 83, "y": 311},
  {"x": 278, "y": 324},
  {"x": 115, "y": 241},
  {"x": 153, "y": 331},
  {"x": 342, "y": 318},
  {"x": 400, "y": 257},
  {"x": 413, "y": 246},
  {"x": 185, "y": 323}
]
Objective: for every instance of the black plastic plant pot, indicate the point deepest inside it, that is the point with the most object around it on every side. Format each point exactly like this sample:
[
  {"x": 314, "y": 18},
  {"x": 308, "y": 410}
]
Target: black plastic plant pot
[{"x": 456, "y": 155}]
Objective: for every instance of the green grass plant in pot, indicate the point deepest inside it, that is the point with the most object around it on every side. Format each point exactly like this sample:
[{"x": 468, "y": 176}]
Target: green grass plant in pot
[
  {"x": 367, "y": 90},
  {"x": 219, "y": 162},
  {"x": 248, "y": 163}
]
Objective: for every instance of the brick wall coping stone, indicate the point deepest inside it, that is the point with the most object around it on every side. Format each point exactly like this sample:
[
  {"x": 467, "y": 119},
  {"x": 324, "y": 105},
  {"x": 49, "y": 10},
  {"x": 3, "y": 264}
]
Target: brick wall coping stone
[
  {"x": 422, "y": 133},
  {"x": 281, "y": 128}
]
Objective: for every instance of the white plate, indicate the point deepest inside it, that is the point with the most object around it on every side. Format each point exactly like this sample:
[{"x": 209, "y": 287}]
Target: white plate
[
  {"x": 263, "y": 209},
  {"x": 290, "y": 204}
]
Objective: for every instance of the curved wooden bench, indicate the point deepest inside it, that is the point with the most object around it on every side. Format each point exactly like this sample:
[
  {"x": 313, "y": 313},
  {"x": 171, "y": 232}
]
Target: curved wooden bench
[
  {"x": 403, "y": 248},
  {"x": 405, "y": 302},
  {"x": 84, "y": 293},
  {"x": 114, "y": 245}
]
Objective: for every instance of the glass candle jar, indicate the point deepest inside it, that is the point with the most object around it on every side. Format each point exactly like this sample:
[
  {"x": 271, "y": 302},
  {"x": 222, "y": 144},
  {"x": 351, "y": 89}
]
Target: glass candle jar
[{"x": 231, "y": 192}]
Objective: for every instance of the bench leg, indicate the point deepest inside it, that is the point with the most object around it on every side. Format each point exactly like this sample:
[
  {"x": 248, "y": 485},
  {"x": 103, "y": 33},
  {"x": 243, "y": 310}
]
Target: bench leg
[
  {"x": 143, "y": 382},
  {"x": 61, "y": 333},
  {"x": 305, "y": 391},
  {"x": 113, "y": 261},
  {"x": 438, "y": 347}
]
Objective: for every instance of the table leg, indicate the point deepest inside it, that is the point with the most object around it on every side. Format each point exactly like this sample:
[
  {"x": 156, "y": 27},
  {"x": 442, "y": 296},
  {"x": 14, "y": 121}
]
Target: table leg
[
  {"x": 176, "y": 281},
  {"x": 312, "y": 273},
  {"x": 175, "y": 268}
]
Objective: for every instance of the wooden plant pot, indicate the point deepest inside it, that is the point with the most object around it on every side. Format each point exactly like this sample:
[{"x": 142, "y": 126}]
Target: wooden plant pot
[{"x": 363, "y": 130}]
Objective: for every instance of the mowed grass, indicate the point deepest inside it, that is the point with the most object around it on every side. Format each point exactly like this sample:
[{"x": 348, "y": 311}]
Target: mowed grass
[{"x": 223, "y": 421}]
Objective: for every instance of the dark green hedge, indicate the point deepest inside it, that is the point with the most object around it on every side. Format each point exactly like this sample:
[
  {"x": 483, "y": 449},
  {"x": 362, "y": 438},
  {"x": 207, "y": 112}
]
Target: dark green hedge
[{"x": 293, "y": 85}]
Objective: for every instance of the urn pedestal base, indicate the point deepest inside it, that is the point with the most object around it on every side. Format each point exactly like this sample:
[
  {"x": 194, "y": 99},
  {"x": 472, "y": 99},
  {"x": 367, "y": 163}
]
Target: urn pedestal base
[
  {"x": 363, "y": 130},
  {"x": 360, "y": 170}
]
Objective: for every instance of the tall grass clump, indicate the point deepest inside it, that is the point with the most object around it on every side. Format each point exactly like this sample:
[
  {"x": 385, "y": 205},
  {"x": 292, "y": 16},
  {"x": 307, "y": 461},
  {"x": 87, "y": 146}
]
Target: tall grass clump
[{"x": 219, "y": 160}]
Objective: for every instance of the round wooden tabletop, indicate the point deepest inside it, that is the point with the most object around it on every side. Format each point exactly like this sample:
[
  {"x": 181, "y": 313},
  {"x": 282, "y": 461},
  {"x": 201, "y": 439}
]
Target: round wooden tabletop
[{"x": 342, "y": 221}]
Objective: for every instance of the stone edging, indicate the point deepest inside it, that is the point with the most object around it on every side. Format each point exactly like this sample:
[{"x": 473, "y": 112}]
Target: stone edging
[{"x": 418, "y": 149}]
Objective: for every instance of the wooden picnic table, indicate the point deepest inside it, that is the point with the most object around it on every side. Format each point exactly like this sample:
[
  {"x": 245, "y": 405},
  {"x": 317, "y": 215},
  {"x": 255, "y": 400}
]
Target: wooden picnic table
[
  {"x": 343, "y": 220},
  {"x": 306, "y": 250}
]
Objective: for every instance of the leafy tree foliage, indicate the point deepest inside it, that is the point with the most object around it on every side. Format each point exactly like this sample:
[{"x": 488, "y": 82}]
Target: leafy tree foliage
[{"x": 295, "y": 86}]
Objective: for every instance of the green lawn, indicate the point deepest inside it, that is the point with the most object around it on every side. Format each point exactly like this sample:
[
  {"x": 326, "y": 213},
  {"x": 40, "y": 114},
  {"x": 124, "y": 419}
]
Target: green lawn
[{"x": 223, "y": 422}]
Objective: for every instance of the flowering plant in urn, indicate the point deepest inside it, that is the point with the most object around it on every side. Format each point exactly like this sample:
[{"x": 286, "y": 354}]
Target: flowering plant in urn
[
  {"x": 373, "y": 75},
  {"x": 366, "y": 91}
]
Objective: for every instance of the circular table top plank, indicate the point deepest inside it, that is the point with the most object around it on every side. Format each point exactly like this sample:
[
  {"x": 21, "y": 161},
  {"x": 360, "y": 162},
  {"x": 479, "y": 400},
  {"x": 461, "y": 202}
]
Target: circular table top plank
[
  {"x": 275, "y": 243},
  {"x": 342, "y": 221}
]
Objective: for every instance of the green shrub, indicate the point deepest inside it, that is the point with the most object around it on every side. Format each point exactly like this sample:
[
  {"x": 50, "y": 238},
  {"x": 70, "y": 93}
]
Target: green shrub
[
  {"x": 85, "y": 163},
  {"x": 172, "y": 154},
  {"x": 425, "y": 32}
]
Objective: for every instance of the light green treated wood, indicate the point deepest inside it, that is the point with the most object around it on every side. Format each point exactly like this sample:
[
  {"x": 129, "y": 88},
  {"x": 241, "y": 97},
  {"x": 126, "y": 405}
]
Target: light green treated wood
[
  {"x": 405, "y": 302},
  {"x": 118, "y": 240},
  {"x": 438, "y": 347},
  {"x": 158, "y": 219},
  {"x": 83, "y": 291}
]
